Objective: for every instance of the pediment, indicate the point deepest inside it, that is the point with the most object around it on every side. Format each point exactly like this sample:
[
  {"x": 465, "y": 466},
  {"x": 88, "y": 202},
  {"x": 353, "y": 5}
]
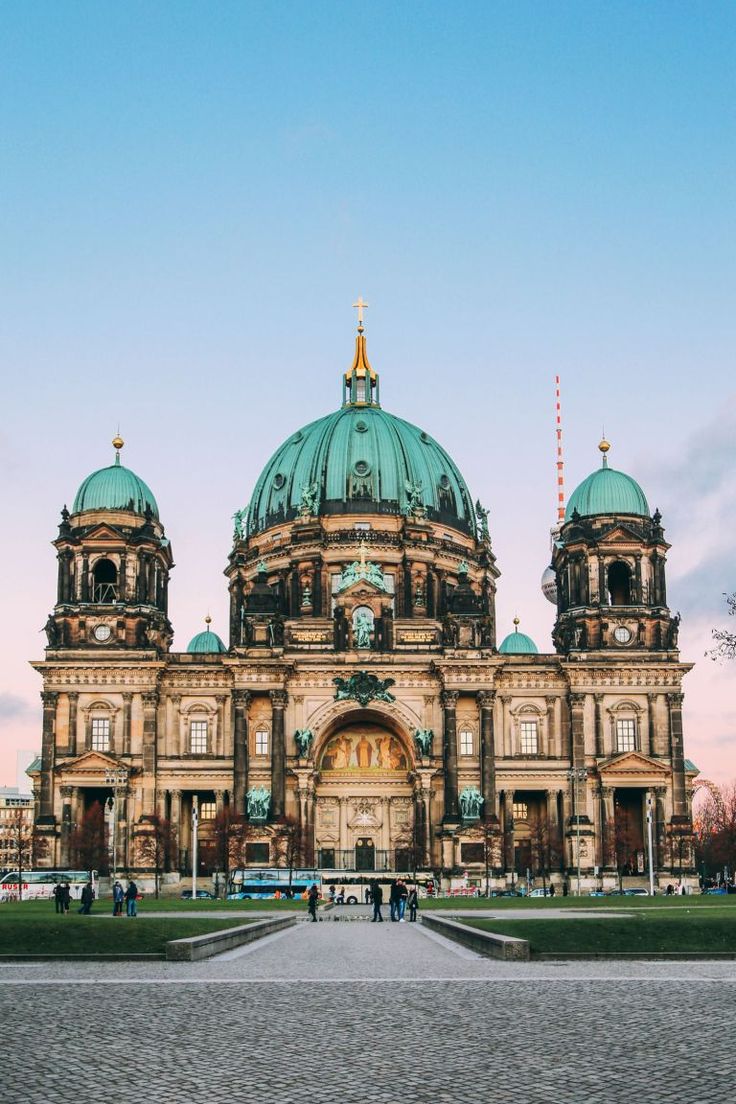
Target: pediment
[
  {"x": 621, "y": 532},
  {"x": 91, "y": 762},
  {"x": 103, "y": 532},
  {"x": 361, "y": 588},
  {"x": 632, "y": 763}
]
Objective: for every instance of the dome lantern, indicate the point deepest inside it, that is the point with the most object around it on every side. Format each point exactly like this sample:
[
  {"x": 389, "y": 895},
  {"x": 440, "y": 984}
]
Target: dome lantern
[
  {"x": 518, "y": 643},
  {"x": 607, "y": 491}
]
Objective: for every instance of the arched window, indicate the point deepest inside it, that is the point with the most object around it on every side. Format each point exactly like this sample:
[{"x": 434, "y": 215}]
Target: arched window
[
  {"x": 619, "y": 584},
  {"x": 105, "y": 575}
]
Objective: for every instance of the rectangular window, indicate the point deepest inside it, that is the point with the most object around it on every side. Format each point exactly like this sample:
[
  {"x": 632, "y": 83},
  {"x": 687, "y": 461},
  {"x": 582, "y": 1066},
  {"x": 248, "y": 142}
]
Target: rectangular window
[
  {"x": 198, "y": 737},
  {"x": 521, "y": 810},
  {"x": 466, "y": 741},
  {"x": 261, "y": 741},
  {"x": 529, "y": 740},
  {"x": 257, "y": 853},
  {"x": 626, "y": 735},
  {"x": 100, "y": 733},
  {"x": 207, "y": 810},
  {"x": 472, "y": 853}
]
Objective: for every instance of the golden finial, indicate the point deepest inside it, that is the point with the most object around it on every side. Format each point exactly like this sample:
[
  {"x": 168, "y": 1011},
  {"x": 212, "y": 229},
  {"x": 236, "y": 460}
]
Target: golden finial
[
  {"x": 208, "y": 621},
  {"x": 516, "y": 624},
  {"x": 604, "y": 446},
  {"x": 117, "y": 442}
]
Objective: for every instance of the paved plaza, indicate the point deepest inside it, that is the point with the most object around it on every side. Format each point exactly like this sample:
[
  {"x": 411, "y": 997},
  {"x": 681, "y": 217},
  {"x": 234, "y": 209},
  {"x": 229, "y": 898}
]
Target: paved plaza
[{"x": 367, "y": 1012}]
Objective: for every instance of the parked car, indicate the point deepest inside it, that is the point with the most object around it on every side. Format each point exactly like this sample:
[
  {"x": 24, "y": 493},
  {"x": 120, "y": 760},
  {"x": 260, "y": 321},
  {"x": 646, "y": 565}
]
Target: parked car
[
  {"x": 540, "y": 891},
  {"x": 186, "y": 895}
]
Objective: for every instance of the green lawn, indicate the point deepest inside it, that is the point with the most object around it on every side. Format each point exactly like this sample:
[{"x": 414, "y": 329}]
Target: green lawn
[
  {"x": 33, "y": 928},
  {"x": 202, "y": 905},
  {"x": 542, "y": 904},
  {"x": 698, "y": 930}
]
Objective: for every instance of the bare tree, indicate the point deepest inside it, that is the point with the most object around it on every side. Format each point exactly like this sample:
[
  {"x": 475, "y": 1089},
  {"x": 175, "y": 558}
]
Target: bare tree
[
  {"x": 714, "y": 828},
  {"x": 25, "y": 846},
  {"x": 157, "y": 846},
  {"x": 89, "y": 840},
  {"x": 289, "y": 840},
  {"x": 488, "y": 833},
  {"x": 545, "y": 845},
  {"x": 230, "y": 836},
  {"x": 725, "y": 640},
  {"x": 619, "y": 841}
]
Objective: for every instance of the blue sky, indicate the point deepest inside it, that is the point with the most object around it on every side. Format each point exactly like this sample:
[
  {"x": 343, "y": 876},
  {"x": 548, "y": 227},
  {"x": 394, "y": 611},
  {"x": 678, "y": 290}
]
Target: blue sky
[{"x": 192, "y": 195}]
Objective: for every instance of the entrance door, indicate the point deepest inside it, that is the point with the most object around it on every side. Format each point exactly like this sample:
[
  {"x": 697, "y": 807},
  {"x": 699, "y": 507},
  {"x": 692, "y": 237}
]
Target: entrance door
[{"x": 365, "y": 855}]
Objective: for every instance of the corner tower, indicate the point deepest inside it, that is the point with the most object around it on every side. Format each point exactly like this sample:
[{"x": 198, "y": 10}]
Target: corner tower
[{"x": 114, "y": 563}]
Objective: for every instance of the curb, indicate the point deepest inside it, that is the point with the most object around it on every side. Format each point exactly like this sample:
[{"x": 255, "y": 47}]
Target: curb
[
  {"x": 194, "y": 948},
  {"x": 505, "y": 947}
]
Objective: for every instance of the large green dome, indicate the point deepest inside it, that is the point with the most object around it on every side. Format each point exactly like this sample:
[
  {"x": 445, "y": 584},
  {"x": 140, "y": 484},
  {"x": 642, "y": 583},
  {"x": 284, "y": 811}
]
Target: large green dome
[
  {"x": 361, "y": 460},
  {"x": 607, "y": 491},
  {"x": 115, "y": 488},
  {"x": 517, "y": 643}
]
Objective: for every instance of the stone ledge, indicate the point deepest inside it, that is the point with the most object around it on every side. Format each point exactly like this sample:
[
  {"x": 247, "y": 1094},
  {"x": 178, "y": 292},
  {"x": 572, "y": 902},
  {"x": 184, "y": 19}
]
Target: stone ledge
[
  {"x": 198, "y": 947},
  {"x": 505, "y": 947}
]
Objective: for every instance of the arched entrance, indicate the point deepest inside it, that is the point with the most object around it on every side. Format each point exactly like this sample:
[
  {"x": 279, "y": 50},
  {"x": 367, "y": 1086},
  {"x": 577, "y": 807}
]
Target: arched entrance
[{"x": 364, "y": 797}]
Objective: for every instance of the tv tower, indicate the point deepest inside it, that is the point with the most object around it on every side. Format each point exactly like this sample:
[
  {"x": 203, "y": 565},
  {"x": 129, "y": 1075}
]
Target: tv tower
[{"x": 549, "y": 579}]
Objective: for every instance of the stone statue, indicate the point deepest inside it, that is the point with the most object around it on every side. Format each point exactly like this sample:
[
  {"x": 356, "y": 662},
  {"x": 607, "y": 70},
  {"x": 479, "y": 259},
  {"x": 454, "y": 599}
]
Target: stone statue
[
  {"x": 673, "y": 631},
  {"x": 310, "y": 496},
  {"x": 276, "y": 631},
  {"x": 471, "y": 803},
  {"x": 482, "y": 518},
  {"x": 52, "y": 632},
  {"x": 362, "y": 629},
  {"x": 257, "y": 802},
  {"x": 450, "y": 631},
  {"x": 363, "y": 688},
  {"x": 423, "y": 740},
  {"x": 238, "y": 523},
  {"x": 303, "y": 739},
  {"x": 414, "y": 503},
  {"x": 362, "y": 570}
]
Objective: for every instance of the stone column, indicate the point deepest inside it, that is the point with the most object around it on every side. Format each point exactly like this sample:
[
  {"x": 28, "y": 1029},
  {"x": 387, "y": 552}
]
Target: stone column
[
  {"x": 127, "y": 703},
  {"x": 219, "y": 802},
  {"x": 487, "y": 753},
  {"x": 552, "y": 742},
  {"x": 598, "y": 822},
  {"x": 660, "y": 793},
  {"x": 553, "y": 829},
  {"x": 72, "y": 740},
  {"x": 449, "y": 704},
  {"x": 48, "y": 735},
  {"x": 278, "y": 754},
  {"x": 652, "y": 724},
  {"x": 508, "y": 829},
  {"x": 577, "y": 729},
  {"x": 240, "y": 700},
  {"x": 608, "y": 812},
  {"x": 598, "y": 698},
  {"x": 343, "y": 823},
  {"x": 67, "y": 797},
  {"x": 677, "y": 756},
  {"x": 219, "y": 747},
  {"x": 150, "y": 710}
]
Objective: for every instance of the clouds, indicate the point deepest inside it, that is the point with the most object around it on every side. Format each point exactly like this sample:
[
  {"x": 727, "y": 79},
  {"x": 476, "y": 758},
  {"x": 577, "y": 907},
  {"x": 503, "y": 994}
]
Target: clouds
[{"x": 13, "y": 708}]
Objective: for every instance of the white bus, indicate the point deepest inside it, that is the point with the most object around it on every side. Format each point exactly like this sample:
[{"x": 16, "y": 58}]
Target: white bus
[{"x": 39, "y": 885}]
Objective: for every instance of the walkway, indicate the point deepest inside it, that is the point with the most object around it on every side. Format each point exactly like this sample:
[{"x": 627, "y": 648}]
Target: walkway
[{"x": 354, "y": 1011}]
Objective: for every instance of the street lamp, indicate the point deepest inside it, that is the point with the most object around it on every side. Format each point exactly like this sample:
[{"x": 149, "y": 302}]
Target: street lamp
[
  {"x": 575, "y": 775},
  {"x": 117, "y": 779}
]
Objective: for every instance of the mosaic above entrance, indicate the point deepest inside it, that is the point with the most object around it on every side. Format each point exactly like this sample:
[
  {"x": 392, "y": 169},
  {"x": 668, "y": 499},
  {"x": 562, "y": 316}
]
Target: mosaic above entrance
[{"x": 364, "y": 748}]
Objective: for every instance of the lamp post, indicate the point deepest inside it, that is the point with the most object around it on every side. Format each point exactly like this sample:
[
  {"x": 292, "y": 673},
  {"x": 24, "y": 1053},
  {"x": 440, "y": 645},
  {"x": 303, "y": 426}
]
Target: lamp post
[
  {"x": 575, "y": 775},
  {"x": 195, "y": 825},
  {"x": 650, "y": 845},
  {"x": 117, "y": 779}
]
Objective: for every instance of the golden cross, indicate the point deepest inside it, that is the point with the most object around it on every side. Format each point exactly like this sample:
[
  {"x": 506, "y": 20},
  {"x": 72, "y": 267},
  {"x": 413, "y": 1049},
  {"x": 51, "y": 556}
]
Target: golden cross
[{"x": 359, "y": 307}]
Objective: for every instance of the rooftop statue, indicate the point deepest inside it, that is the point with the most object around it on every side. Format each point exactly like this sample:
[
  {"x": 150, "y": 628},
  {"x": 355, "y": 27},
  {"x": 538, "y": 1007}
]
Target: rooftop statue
[
  {"x": 423, "y": 740},
  {"x": 303, "y": 739},
  {"x": 365, "y": 570},
  {"x": 309, "y": 499}
]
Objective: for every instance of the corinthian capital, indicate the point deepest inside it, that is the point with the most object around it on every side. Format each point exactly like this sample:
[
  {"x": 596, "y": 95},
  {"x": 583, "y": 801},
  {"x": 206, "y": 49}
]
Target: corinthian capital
[
  {"x": 279, "y": 698},
  {"x": 449, "y": 698}
]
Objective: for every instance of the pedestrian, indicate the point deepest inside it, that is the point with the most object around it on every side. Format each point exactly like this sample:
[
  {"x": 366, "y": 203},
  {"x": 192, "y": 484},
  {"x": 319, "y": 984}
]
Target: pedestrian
[
  {"x": 59, "y": 897},
  {"x": 87, "y": 898},
  {"x": 131, "y": 897},
  {"x": 412, "y": 903},
  {"x": 331, "y": 892},
  {"x": 403, "y": 893},
  {"x": 341, "y": 896},
  {"x": 377, "y": 899},
  {"x": 367, "y": 894},
  {"x": 551, "y": 889},
  {"x": 393, "y": 900},
  {"x": 66, "y": 895},
  {"x": 312, "y": 897},
  {"x": 118, "y": 896}
]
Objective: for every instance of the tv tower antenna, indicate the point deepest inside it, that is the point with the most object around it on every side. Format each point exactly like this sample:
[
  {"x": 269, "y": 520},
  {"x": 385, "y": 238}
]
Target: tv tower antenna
[{"x": 549, "y": 578}]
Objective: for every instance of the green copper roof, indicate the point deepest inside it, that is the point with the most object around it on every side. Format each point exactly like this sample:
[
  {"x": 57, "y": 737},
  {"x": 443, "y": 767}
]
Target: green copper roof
[
  {"x": 206, "y": 642},
  {"x": 115, "y": 488},
  {"x": 360, "y": 459},
  {"x": 607, "y": 491},
  {"x": 518, "y": 643}
]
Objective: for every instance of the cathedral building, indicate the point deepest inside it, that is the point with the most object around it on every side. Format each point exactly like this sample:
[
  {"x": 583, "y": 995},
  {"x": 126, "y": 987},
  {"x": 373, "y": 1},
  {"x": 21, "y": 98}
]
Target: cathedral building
[{"x": 363, "y": 694}]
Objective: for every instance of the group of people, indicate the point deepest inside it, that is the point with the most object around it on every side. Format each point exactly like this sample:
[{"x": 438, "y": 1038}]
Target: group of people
[
  {"x": 128, "y": 896},
  {"x": 401, "y": 899}
]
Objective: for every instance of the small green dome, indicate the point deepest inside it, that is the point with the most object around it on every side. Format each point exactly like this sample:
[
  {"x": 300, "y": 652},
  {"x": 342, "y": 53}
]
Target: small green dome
[
  {"x": 206, "y": 642},
  {"x": 607, "y": 491},
  {"x": 518, "y": 643},
  {"x": 115, "y": 488},
  {"x": 360, "y": 459}
]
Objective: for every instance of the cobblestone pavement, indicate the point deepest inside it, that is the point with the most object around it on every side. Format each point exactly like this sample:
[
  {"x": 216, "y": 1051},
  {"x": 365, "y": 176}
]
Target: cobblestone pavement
[{"x": 371, "y": 1013}]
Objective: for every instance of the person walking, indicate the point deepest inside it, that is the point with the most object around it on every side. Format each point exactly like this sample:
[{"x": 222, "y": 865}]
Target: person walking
[
  {"x": 377, "y": 899},
  {"x": 403, "y": 893},
  {"x": 393, "y": 900},
  {"x": 412, "y": 903},
  {"x": 312, "y": 898},
  {"x": 131, "y": 897},
  {"x": 59, "y": 897},
  {"x": 87, "y": 897},
  {"x": 118, "y": 896},
  {"x": 66, "y": 896}
]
